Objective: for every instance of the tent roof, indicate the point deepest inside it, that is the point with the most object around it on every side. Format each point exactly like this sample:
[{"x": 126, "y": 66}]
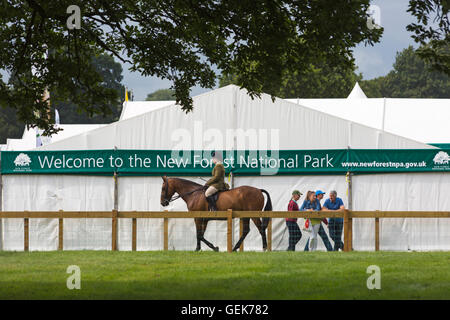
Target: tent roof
[
  {"x": 28, "y": 140},
  {"x": 357, "y": 93},
  {"x": 221, "y": 114},
  {"x": 134, "y": 108},
  {"x": 424, "y": 120}
]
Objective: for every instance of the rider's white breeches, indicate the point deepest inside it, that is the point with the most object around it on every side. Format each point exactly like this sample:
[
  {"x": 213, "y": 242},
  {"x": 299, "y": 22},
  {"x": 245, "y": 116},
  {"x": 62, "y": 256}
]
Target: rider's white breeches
[{"x": 210, "y": 191}]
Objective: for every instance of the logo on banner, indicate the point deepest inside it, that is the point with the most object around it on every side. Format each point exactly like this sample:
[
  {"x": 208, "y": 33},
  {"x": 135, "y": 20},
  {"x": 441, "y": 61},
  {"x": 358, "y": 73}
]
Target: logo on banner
[
  {"x": 441, "y": 160},
  {"x": 22, "y": 162}
]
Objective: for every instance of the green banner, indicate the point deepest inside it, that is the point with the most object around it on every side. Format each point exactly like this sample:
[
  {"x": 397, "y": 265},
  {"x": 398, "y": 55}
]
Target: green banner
[
  {"x": 187, "y": 162},
  {"x": 398, "y": 160}
]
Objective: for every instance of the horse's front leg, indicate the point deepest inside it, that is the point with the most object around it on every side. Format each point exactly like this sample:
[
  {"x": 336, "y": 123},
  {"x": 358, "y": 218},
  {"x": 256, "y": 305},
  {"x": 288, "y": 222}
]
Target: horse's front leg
[{"x": 209, "y": 244}]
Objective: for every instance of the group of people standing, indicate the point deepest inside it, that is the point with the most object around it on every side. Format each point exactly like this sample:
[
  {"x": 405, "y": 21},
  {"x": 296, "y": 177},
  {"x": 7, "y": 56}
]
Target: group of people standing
[{"x": 314, "y": 226}]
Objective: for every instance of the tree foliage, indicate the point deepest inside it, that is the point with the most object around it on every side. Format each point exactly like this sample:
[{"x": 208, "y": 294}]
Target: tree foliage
[
  {"x": 411, "y": 77},
  {"x": 111, "y": 73},
  {"x": 316, "y": 81},
  {"x": 69, "y": 112},
  {"x": 182, "y": 41},
  {"x": 319, "y": 81},
  {"x": 161, "y": 95},
  {"x": 432, "y": 32},
  {"x": 10, "y": 127}
]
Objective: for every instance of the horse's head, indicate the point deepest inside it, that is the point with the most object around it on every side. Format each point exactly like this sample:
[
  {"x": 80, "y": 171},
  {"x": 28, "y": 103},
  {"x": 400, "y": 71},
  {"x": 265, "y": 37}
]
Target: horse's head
[{"x": 167, "y": 191}]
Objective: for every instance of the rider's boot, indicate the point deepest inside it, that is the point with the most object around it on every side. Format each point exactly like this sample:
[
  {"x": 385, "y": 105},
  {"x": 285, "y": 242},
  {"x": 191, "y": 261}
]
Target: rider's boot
[{"x": 212, "y": 203}]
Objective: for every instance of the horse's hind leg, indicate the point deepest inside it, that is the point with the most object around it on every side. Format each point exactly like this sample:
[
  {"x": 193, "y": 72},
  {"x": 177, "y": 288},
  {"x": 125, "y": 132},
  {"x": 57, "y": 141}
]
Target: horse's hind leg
[
  {"x": 198, "y": 227},
  {"x": 246, "y": 224},
  {"x": 265, "y": 223},
  {"x": 262, "y": 231},
  {"x": 202, "y": 238}
]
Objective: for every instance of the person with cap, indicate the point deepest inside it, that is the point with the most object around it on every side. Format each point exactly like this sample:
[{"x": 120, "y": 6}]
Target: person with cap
[
  {"x": 335, "y": 225},
  {"x": 294, "y": 231},
  {"x": 217, "y": 182},
  {"x": 312, "y": 204},
  {"x": 323, "y": 235}
]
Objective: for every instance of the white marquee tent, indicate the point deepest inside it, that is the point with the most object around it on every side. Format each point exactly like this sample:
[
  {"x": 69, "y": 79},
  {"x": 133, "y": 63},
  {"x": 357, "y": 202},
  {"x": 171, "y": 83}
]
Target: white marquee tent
[
  {"x": 135, "y": 108},
  {"x": 28, "y": 140},
  {"x": 218, "y": 117},
  {"x": 424, "y": 120},
  {"x": 357, "y": 93}
]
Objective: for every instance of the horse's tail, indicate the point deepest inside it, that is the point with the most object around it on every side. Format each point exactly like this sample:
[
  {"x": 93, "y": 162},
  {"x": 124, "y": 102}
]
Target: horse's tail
[{"x": 267, "y": 207}]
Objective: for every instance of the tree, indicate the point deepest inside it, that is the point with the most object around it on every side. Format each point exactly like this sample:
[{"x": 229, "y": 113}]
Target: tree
[
  {"x": 411, "y": 77},
  {"x": 182, "y": 41},
  {"x": 317, "y": 81},
  {"x": 10, "y": 127},
  {"x": 432, "y": 31},
  {"x": 111, "y": 73},
  {"x": 226, "y": 79},
  {"x": 375, "y": 88},
  {"x": 161, "y": 95}
]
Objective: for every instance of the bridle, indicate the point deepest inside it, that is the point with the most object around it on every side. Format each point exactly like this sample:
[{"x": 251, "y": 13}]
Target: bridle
[{"x": 175, "y": 197}]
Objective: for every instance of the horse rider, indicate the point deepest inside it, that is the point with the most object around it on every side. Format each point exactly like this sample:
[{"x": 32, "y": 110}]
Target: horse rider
[{"x": 217, "y": 182}]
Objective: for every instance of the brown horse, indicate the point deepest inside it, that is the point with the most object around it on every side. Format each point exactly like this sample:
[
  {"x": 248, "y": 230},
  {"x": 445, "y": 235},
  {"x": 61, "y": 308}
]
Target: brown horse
[{"x": 244, "y": 198}]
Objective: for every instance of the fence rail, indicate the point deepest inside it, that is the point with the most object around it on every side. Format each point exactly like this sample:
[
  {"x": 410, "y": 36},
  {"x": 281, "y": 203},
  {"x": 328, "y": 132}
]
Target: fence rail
[{"x": 229, "y": 215}]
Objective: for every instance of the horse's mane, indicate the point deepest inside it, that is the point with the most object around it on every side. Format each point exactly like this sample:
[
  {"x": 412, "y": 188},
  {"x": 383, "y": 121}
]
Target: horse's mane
[{"x": 192, "y": 183}]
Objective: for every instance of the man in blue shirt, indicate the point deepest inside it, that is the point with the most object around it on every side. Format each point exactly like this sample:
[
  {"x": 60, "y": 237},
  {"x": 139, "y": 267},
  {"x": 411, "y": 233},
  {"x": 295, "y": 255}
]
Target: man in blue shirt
[
  {"x": 335, "y": 224},
  {"x": 322, "y": 233}
]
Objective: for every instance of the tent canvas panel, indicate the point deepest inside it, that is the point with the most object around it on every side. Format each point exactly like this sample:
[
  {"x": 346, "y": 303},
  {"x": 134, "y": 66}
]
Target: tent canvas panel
[
  {"x": 397, "y": 192},
  {"x": 53, "y": 193}
]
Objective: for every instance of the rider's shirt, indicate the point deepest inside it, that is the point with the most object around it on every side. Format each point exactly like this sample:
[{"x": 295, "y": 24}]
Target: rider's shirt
[{"x": 218, "y": 177}]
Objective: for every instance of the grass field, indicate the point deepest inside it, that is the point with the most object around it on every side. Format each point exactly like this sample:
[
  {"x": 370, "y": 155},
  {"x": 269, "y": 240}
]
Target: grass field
[{"x": 211, "y": 275}]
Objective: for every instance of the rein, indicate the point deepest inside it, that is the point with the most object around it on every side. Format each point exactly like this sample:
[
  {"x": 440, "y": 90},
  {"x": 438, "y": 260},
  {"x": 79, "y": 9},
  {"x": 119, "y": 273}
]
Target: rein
[{"x": 180, "y": 195}]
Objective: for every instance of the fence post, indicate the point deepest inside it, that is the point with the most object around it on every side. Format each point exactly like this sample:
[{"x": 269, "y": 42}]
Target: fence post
[
  {"x": 349, "y": 189},
  {"x": 377, "y": 234},
  {"x": 350, "y": 231},
  {"x": 230, "y": 230},
  {"x": 116, "y": 192},
  {"x": 241, "y": 232},
  {"x": 346, "y": 233},
  {"x": 1, "y": 206},
  {"x": 60, "y": 231},
  {"x": 166, "y": 233},
  {"x": 114, "y": 231},
  {"x": 269, "y": 235},
  {"x": 26, "y": 235},
  {"x": 133, "y": 234}
]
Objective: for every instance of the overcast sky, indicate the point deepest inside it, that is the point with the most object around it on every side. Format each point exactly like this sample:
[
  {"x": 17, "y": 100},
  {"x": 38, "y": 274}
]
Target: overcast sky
[{"x": 371, "y": 61}]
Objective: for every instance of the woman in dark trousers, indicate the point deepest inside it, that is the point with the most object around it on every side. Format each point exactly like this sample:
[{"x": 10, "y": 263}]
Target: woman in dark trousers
[{"x": 294, "y": 231}]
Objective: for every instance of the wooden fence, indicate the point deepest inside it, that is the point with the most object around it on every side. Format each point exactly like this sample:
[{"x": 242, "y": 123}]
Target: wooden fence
[{"x": 226, "y": 215}]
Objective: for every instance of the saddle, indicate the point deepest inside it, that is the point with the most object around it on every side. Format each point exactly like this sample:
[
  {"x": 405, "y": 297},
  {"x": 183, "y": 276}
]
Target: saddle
[{"x": 213, "y": 199}]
